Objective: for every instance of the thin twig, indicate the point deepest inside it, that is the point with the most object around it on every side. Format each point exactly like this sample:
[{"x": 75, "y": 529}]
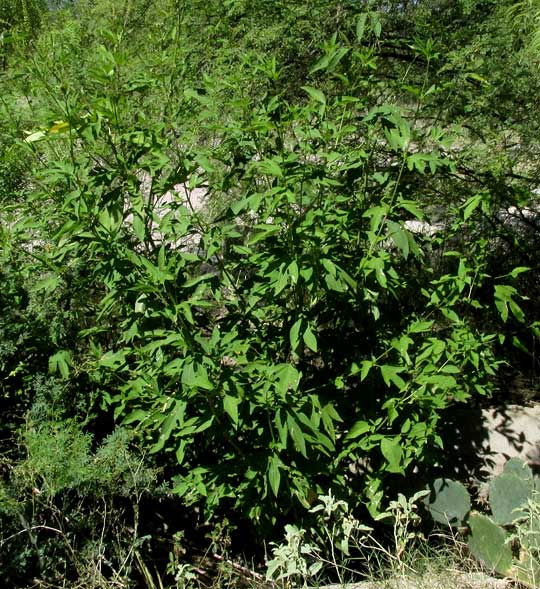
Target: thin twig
[
  {"x": 30, "y": 529},
  {"x": 242, "y": 569}
]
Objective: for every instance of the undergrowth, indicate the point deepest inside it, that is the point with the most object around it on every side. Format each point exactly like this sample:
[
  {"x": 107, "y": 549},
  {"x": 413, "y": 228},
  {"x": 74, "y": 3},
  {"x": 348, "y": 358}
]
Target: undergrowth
[{"x": 251, "y": 253}]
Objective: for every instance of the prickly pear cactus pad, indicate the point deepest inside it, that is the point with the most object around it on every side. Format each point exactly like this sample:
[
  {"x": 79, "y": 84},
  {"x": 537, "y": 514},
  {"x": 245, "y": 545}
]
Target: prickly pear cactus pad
[
  {"x": 449, "y": 502},
  {"x": 508, "y": 494},
  {"x": 517, "y": 467},
  {"x": 487, "y": 543}
]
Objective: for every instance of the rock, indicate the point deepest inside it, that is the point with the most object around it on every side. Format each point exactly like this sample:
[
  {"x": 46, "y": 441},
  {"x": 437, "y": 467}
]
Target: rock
[
  {"x": 479, "y": 442},
  {"x": 449, "y": 580}
]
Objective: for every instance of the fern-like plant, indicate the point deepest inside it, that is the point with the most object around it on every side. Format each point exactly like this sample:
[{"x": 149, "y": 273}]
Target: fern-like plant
[{"x": 525, "y": 18}]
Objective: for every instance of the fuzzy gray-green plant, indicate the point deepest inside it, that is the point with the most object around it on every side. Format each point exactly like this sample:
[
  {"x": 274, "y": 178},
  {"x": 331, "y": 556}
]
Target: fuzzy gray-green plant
[{"x": 325, "y": 548}]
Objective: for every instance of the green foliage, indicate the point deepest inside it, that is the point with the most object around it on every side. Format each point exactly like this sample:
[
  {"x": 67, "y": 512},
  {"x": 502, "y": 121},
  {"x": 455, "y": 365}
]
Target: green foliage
[
  {"x": 219, "y": 333},
  {"x": 58, "y": 457},
  {"x": 527, "y": 535},
  {"x": 302, "y": 556},
  {"x": 20, "y": 21},
  {"x": 525, "y": 17},
  {"x": 25, "y": 14},
  {"x": 228, "y": 348},
  {"x": 275, "y": 240},
  {"x": 51, "y": 526}
]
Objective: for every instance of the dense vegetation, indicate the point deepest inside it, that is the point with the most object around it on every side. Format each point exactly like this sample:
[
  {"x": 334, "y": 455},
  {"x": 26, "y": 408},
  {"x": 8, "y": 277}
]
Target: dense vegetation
[{"x": 251, "y": 252}]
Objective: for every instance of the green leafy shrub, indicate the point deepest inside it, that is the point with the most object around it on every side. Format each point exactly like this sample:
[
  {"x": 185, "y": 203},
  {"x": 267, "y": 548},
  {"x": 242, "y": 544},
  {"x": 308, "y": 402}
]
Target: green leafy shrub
[
  {"x": 68, "y": 512},
  {"x": 296, "y": 329},
  {"x": 275, "y": 241},
  {"x": 58, "y": 457},
  {"x": 26, "y": 14}
]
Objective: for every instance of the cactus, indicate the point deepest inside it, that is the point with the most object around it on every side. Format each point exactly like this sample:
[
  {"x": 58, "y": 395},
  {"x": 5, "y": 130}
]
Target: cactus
[
  {"x": 449, "y": 503},
  {"x": 517, "y": 467},
  {"x": 513, "y": 498},
  {"x": 487, "y": 543},
  {"x": 508, "y": 494}
]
